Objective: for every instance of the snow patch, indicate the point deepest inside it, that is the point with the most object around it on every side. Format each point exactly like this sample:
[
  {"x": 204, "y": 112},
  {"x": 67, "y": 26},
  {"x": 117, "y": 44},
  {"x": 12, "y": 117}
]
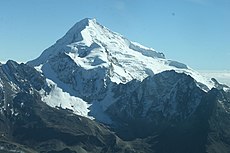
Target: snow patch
[
  {"x": 227, "y": 110},
  {"x": 39, "y": 68},
  {"x": 1, "y": 84},
  {"x": 58, "y": 98}
]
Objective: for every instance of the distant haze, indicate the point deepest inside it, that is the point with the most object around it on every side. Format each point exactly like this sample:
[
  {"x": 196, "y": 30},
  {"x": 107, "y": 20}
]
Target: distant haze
[{"x": 221, "y": 76}]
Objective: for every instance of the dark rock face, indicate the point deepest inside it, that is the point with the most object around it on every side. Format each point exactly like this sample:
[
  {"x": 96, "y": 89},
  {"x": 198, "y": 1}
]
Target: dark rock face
[
  {"x": 47, "y": 129},
  {"x": 29, "y": 125},
  {"x": 164, "y": 100},
  {"x": 219, "y": 122},
  {"x": 164, "y": 113},
  {"x": 180, "y": 118},
  {"x": 172, "y": 94},
  {"x": 24, "y": 76}
]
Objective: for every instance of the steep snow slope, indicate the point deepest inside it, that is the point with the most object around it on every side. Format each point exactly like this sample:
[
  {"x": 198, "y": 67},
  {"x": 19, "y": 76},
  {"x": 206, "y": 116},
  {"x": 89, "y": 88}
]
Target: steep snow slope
[
  {"x": 90, "y": 60},
  {"x": 57, "y": 98}
]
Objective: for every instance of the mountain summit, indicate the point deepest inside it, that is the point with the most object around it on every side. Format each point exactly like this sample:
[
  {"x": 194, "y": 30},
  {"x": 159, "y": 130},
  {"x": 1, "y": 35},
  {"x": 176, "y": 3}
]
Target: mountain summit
[
  {"x": 88, "y": 33},
  {"x": 91, "y": 45}
]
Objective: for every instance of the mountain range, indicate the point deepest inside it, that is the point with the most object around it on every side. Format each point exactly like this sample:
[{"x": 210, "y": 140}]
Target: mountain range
[{"x": 96, "y": 91}]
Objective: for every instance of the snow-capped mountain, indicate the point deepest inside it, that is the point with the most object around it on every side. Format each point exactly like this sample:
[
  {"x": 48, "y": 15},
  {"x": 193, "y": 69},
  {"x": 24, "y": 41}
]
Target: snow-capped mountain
[
  {"x": 91, "y": 46},
  {"x": 88, "y": 62},
  {"x": 147, "y": 102}
]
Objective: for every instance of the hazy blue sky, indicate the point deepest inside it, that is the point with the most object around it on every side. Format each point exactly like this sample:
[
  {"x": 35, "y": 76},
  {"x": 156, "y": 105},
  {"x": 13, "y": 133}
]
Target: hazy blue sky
[{"x": 195, "y": 32}]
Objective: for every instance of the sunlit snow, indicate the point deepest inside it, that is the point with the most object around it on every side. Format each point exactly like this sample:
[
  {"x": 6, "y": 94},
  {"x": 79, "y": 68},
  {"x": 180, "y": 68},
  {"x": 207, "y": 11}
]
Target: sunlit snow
[{"x": 59, "y": 98}]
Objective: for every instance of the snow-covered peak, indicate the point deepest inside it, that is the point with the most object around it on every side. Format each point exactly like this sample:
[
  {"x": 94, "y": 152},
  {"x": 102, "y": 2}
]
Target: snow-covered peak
[
  {"x": 88, "y": 35},
  {"x": 90, "y": 60},
  {"x": 82, "y": 24},
  {"x": 90, "y": 46}
]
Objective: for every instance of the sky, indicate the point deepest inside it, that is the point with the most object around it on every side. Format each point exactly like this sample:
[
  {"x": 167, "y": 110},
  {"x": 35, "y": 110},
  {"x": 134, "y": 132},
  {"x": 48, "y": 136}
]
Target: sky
[{"x": 194, "y": 32}]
